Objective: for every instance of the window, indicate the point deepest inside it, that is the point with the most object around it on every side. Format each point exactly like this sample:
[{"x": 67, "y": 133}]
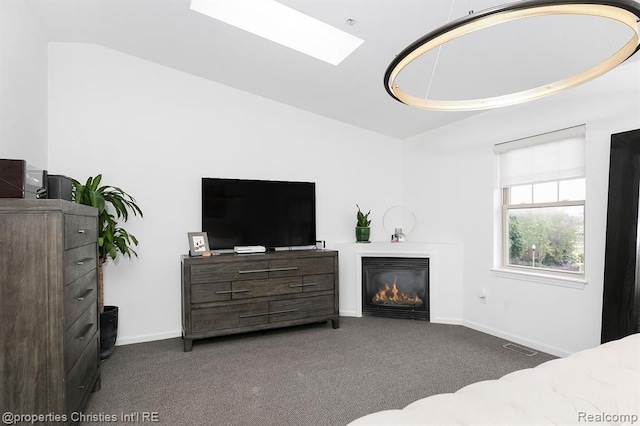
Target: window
[{"x": 542, "y": 182}]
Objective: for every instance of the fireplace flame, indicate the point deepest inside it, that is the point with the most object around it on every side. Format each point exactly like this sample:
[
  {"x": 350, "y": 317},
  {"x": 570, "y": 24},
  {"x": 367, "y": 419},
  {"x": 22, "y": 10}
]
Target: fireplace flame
[{"x": 391, "y": 295}]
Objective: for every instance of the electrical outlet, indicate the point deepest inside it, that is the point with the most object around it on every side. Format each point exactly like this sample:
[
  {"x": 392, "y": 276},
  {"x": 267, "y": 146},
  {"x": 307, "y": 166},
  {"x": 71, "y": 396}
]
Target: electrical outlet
[{"x": 482, "y": 294}]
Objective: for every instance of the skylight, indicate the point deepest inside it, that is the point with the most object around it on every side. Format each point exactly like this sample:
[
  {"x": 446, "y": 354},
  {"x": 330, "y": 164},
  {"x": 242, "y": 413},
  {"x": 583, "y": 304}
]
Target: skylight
[{"x": 281, "y": 24}]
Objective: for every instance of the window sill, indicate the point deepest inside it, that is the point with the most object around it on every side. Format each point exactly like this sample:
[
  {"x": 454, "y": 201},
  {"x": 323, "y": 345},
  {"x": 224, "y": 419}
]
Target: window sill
[{"x": 548, "y": 279}]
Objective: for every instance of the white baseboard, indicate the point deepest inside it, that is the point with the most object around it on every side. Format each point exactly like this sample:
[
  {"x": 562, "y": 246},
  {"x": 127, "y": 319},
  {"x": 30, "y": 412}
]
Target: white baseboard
[
  {"x": 518, "y": 339},
  {"x": 449, "y": 321},
  {"x": 147, "y": 338},
  {"x": 349, "y": 314}
]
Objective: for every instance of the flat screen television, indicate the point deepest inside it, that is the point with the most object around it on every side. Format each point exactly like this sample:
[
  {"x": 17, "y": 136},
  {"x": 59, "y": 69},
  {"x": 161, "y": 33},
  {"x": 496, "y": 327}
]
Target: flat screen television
[{"x": 273, "y": 214}]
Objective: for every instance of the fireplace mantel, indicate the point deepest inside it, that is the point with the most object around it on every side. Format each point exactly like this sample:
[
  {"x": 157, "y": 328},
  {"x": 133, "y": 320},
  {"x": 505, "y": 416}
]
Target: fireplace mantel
[{"x": 445, "y": 292}]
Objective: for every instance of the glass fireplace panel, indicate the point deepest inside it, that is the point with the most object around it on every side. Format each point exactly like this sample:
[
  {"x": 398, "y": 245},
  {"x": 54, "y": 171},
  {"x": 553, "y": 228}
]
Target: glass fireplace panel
[{"x": 395, "y": 287}]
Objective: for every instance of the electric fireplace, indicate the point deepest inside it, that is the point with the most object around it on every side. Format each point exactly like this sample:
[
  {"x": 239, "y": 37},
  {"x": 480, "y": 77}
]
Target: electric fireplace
[{"x": 396, "y": 287}]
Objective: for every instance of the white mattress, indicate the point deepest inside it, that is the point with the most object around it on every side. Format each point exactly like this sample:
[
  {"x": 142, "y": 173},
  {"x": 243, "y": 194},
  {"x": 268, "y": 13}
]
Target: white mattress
[{"x": 594, "y": 386}]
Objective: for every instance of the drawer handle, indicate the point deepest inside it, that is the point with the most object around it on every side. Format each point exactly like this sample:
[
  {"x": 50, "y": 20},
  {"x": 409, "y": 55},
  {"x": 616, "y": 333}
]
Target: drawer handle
[
  {"x": 303, "y": 285},
  {"x": 253, "y": 271},
  {"x": 292, "y": 268},
  {"x": 254, "y": 315},
  {"x": 85, "y": 332},
  {"x": 84, "y": 295},
  {"x": 81, "y": 387},
  {"x": 286, "y": 311},
  {"x": 81, "y": 231},
  {"x": 231, "y": 291},
  {"x": 81, "y": 261}
]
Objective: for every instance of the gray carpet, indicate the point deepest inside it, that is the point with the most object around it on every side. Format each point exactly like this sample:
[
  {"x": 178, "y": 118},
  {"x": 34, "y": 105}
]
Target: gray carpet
[{"x": 306, "y": 375}]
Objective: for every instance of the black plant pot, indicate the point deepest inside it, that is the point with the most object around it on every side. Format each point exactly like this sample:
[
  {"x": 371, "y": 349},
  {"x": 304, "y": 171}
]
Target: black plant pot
[{"x": 108, "y": 331}]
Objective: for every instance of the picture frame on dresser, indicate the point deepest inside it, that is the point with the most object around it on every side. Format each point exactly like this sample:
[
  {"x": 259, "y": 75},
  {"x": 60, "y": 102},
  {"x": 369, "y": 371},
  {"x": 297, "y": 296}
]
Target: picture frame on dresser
[{"x": 198, "y": 243}]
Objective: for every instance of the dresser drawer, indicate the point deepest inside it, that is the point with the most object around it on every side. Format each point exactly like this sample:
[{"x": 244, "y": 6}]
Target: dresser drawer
[
  {"x": 233, "y": 316},
  {"x": 272, "y": 287},
  {"x": 79, "y": 230},
  {"x": 284, "y": 310},
  {"x": 305, "y": 266},
  {"x": 79, "y": 295},
  {"x": 79, "y": 261},
  {"x": 229, "y": 271},
  {"x": 80, "y": 377},
  {"x": 210, "y": 292},
  {"x": 79, "y": 334},
  {"x": 317, "y": 282}
]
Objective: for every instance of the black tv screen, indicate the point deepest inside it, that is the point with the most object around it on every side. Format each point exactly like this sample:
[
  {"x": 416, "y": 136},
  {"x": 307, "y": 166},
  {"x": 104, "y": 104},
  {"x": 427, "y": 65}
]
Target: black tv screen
[{"x": 274, "y": 214}]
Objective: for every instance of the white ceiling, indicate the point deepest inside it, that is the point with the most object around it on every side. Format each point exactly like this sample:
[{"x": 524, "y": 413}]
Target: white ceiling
[{"x": 504, "y": 58}]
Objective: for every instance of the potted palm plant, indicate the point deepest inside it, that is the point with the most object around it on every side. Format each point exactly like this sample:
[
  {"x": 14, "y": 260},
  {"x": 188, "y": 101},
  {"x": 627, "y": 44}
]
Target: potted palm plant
[
  {"x": 113, "y": 205},
  {"x": 362, "y": 226}
]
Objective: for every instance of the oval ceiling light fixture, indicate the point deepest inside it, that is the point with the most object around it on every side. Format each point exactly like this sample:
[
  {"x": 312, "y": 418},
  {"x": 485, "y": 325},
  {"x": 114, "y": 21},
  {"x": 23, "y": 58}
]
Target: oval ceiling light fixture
[{"x": 626, "y": 12}]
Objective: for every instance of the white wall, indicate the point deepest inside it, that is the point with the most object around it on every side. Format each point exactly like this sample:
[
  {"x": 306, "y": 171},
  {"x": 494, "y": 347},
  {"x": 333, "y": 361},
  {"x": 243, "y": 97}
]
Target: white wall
[
  {"x": 162, "y": 130},
  {"x": 155, "y": 132},
  {"x": 23, "y": 85},
  {"x": 449, "y": 182}
]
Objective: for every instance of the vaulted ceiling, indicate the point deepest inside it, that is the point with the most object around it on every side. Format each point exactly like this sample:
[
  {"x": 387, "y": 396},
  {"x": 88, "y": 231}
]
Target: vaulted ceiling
[{"x": 495, "y": 61}]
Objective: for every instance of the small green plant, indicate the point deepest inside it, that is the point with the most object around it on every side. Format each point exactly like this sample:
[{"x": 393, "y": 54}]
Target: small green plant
[{"x": 363, "y": 219}]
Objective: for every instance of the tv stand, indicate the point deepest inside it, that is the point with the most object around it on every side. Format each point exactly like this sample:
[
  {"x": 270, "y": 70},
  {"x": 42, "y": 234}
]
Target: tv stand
[{"x": 236, "y": 293}]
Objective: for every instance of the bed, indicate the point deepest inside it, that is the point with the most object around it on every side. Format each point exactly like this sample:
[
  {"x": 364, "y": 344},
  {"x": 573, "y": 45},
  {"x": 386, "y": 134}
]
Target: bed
[{"x": 594, "y": 386}]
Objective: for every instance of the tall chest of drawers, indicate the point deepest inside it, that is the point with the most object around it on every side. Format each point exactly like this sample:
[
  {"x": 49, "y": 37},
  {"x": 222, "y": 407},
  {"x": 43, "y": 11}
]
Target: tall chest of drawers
[
  {"x": 49, "y": 327},
  {"x": 233, "y": 293}
]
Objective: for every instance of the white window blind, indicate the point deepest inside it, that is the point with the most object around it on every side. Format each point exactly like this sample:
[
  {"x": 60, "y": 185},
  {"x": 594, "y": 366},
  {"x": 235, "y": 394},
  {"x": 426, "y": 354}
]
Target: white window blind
[{"x": 547, "y": 157}]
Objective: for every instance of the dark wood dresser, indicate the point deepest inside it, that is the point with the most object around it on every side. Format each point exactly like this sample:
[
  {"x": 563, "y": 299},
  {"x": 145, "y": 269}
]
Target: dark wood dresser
[
  {"x": 236, "y": 293},
  {"x": 49, "y": 337}
]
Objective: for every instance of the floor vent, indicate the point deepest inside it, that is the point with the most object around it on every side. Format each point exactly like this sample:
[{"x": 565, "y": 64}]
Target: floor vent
[{"x": 520, "y": 349}]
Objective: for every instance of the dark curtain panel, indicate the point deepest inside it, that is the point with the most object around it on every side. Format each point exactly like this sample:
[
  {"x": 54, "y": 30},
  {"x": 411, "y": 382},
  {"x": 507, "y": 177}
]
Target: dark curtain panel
[{"x": 621, "y": 297}]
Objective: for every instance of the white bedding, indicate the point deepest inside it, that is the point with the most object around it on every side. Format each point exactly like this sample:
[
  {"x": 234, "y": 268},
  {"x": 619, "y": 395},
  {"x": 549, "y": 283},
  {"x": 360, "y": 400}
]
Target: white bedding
[{"x": 594, "y": 386}]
